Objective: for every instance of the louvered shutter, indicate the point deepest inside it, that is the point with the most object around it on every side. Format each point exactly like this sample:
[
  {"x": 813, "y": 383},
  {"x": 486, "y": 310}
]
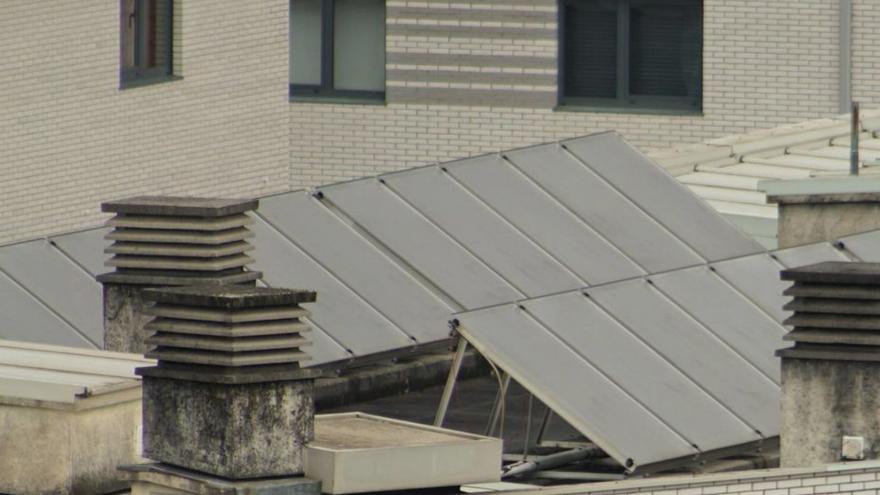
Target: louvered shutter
[
  {"x": 590, "y": 44},
  {"x": 665, "y": 48}
]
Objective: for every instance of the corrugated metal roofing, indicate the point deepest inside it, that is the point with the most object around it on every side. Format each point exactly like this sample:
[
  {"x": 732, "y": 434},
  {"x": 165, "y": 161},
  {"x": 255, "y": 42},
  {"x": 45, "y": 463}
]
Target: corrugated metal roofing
[
  {"x": 62, "y": 374},
  {"x": 393, "y": 256},
  {"x": 662, "y": 366},
  {"x": 725, "y": 172}
]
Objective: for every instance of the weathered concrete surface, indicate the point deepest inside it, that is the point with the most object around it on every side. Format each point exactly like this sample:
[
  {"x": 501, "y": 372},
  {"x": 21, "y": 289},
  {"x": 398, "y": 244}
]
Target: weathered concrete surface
[
  {"x": 824, "y": 400},
  {"x": 234, "y": 431},
  {"x": 60, "y": 449},
  {"x": 184, "y": 206},
  {"x": 803, "y": 223},
  {"x": 162, "y": 479},
  {"x": 230, "y": 297},
  {"x": 124, "y": 318}
]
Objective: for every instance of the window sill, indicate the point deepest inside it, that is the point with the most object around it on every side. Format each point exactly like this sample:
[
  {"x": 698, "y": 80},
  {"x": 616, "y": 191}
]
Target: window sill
[
  {"x": 573, "y": 107},
  {"x": 148, "y": 81},
  {"x": 341, "y": 100}
]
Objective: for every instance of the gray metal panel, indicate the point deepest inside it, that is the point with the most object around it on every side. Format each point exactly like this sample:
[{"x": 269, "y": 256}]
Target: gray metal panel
[
  {"x": 697, "y": 352},
  {"x": 86, "y": 248},
  {"x": 727, "y": 313},
  {"x": 651, "y": 187},
  {"x": 603, "y": 208},
  {"x": 486, "y": 234},
  {"x": 59, "y": 283},
  {"x": 350, "y": 321},
  {"x": 811, "y": 254},
  {"x": 362, "y": 267},
  {"x": 757, "y": 277},
  {"x": 866, "y": 246},
  {"x": 422, "y": 244},
  {"x": 575, "y": 390},
  {"x": 544, "y": 220},
  {"x": 26, "y": 319},
  {"x": 639, "y": 370}
]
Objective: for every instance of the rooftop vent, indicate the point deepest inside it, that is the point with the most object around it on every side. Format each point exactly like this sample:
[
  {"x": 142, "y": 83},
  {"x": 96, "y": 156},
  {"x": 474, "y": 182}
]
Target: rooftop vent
[
  {"x": 228, "y": 382},
  {"x": 179, "y": 241},
  {"x": 228, "y": 327},
  {"x": 169, "y": 241},
  {"x": 831, "y": 377}
]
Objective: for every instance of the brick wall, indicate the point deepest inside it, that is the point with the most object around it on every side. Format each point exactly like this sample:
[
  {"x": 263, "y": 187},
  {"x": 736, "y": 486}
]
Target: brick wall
[
  {"x": 476, "y": 76},
  {"x": 70, "y": 138},
  {"x": 859, "y": 478}
]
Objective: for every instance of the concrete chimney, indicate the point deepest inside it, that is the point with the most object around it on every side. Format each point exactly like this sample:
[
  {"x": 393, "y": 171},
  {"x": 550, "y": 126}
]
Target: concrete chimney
[
  {"x": 169, "y": 241},
  {"x": 228, "y": 398},
  {"x": 831, "y": 376},
  {"x": 816, "y": 210}
]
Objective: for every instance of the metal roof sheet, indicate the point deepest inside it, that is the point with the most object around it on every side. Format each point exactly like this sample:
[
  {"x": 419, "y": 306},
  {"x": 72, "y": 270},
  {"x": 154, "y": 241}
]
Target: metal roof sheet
[
  {"x": 62, "y": 374},
  {"x": 392, "y": 256},
  {"x": 798, "y": 151},
  {"x": 660, "y": 367}
]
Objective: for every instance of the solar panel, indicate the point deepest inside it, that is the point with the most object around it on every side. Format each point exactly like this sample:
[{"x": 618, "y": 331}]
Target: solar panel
[
  {"x": 86, "y": 248},
  {"x": 686, "y": 355},
  {"x": 457, "y": 211},
  {"x": 580, "y": 190},
  {"x": 25, "y": 318},
  {"x": 60, "y": 284},
  {"x": 659, "y": 194},
  {"x": 435, "y": 254},
  {"x": 348, "y": 321},
  {"x": 363, "y": 268}
]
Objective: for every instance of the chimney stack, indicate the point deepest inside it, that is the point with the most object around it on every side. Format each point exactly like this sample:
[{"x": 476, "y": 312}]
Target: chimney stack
[
  {"x": 228, "y": 398},
  {"x": 169, "y": 241},
  {"x": 831, "y": 376}
]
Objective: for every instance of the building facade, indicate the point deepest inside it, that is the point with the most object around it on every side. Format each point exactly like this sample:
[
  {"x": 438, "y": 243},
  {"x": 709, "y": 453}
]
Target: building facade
[{"x": 263, "y": 96}]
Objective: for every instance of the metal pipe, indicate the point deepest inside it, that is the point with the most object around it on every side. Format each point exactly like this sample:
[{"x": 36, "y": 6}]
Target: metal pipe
[
  {"x": 450, "y": 381},
  {"x": 498, "y": 406},
  {"x": 550, "y": 461},
  {"x": 845, "y": 57},
  {"x": 854, "y": 141}
]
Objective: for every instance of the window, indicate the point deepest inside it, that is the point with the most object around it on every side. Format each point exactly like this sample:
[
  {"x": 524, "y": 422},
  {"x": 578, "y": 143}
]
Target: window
[
  {"x": 146, "y": 40},
  {"x": 632, "y": 53},
  {"x": 337, "y": 48}
]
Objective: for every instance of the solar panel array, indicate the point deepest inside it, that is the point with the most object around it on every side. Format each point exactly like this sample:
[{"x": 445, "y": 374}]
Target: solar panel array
[
  {"x": 393, "y": 256},
  {"x": 663, "y": 366}
]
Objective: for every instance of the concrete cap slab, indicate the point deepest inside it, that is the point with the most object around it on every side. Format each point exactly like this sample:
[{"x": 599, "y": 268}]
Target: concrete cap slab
[
  {"x": 180, "y": 206},
  {"x": 230, "y": 297},
  {"x": 835, "y": 272}
]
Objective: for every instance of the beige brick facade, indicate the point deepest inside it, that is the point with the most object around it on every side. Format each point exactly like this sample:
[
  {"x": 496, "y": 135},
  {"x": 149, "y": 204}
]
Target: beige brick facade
[
  {"x": 462, "y": 78},
  {"x": 70, "y": 138},
  {"x": 477, "y": 76}
]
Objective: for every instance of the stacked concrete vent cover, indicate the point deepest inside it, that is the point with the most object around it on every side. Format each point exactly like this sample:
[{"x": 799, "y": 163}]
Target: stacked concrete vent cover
[
  {"x": 237, "y": 330},
  {"x": 832, "y": 373},
  {"x": 160, "y": 240},
  {"x": 836, "y": 311},
  {"x": 228, "y": 382}
]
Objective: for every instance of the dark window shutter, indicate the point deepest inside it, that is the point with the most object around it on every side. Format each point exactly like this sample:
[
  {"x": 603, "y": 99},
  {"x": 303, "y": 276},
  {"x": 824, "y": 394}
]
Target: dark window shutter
[
  {"x": 590, "y": 44},
  {"x": 666, "y": 48}
]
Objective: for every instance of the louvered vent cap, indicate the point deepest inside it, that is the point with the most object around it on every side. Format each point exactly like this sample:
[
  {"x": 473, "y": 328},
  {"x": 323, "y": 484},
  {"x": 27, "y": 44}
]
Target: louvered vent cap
[
  {"x": 228, "y": 329},
  {"x": 164, "y": 240},
  {"x": 836, "y": 309}
]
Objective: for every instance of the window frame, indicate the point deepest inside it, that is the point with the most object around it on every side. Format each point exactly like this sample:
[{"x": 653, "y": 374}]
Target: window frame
[
  {"x": 325, "y": 89},
  {"x": 137, "y": 75},
  {"x": 625, "y": 101}
]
